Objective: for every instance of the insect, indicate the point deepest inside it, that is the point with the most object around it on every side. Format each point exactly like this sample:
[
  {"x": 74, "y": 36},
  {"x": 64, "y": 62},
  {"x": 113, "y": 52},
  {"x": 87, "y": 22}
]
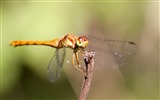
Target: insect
[
  {"x": 67, "y": 41},
  {"x": 109, "y": 53}
]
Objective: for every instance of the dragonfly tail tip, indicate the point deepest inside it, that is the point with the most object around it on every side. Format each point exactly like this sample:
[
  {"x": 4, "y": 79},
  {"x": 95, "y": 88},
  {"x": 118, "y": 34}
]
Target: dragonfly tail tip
[{"x": 13, "y": 44}]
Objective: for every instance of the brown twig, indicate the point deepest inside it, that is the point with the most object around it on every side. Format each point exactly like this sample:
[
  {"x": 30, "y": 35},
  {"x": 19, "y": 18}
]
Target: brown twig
[{"x": 89, "y": 62}]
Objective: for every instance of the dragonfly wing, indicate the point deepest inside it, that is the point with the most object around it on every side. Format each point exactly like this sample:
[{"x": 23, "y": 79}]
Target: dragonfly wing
[
  {"x": 55, "y": 65},
  {"x": 61, "y": 56},
  {"x": 121, "y": 49},
  {"x": 103, "y": 56},
  {"x": 110, "y": 53}
]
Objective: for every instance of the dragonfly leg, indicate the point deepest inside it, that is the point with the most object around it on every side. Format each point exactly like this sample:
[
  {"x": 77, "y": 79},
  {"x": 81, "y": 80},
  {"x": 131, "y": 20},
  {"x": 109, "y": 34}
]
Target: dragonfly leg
[
  {"x": 79, "y": 67},
  {"x": 82, "y": 52}
]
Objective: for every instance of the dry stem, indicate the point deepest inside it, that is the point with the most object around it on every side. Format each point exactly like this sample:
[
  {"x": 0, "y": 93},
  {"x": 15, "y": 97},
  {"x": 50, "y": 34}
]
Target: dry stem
[{"x": 89, "y": 62}]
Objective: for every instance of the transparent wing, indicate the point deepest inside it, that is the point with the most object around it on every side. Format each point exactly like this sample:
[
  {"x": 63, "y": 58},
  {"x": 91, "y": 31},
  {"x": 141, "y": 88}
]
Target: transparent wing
[
  {"x": 61, "y": 56},
  {"x": 121, "y": 49},
  {"x": 55, "y": 65},
  {"x": 110, "y": 53}
]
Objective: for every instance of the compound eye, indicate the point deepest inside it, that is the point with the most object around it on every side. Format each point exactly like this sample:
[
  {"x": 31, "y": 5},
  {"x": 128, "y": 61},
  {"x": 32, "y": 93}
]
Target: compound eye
[
  {"x": 84, "y": 38},
  {"x": 80, "y": 39}
]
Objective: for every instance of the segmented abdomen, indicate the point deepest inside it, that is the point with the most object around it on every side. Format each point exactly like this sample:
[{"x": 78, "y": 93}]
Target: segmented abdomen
[{"x": 53, "y": 43}]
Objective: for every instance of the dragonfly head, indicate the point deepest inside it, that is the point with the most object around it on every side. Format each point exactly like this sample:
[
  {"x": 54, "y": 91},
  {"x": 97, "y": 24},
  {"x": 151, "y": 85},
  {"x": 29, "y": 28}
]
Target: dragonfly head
[{"x": 82, "y": 42}]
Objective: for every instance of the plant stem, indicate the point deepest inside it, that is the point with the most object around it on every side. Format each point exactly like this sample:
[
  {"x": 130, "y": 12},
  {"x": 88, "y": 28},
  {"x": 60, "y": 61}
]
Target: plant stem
[{"x": 89, "y": 62}]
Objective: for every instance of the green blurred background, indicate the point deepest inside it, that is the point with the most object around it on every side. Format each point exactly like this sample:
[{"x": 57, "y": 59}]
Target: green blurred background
[{"x": 23, "y": 69}]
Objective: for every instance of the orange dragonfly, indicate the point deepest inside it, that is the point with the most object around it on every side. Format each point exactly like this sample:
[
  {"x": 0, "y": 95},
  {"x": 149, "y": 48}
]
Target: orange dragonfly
[
  {"x": 67, "y": 41},
  {"x": 109, "y": 53}
]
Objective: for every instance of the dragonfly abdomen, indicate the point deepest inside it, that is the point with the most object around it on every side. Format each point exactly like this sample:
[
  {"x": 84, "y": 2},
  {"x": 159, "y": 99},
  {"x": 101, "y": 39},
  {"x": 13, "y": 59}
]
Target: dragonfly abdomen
[{"x": 53, "y": 43}]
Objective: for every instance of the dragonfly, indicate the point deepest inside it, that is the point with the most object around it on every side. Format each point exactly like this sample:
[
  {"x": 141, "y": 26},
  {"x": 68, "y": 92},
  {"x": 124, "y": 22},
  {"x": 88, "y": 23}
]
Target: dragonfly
[
  {"x": 109, "y": 53},
  {"x": 77, "y": 44}
]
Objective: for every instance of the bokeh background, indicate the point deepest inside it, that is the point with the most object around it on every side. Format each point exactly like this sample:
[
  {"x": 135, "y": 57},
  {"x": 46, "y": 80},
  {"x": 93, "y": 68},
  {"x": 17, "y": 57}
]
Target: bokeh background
[{"x": 23, "y": 69}]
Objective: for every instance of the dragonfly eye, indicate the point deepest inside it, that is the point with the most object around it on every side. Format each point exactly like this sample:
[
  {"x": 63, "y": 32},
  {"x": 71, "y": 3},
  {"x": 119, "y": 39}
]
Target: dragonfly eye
[
  {"x": 85, "y": 38},
  {"x": 82, "y": 41}
]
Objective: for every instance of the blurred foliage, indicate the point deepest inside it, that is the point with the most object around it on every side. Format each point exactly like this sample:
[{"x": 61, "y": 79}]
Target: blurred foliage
[{"x": 24, "y": 68}]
